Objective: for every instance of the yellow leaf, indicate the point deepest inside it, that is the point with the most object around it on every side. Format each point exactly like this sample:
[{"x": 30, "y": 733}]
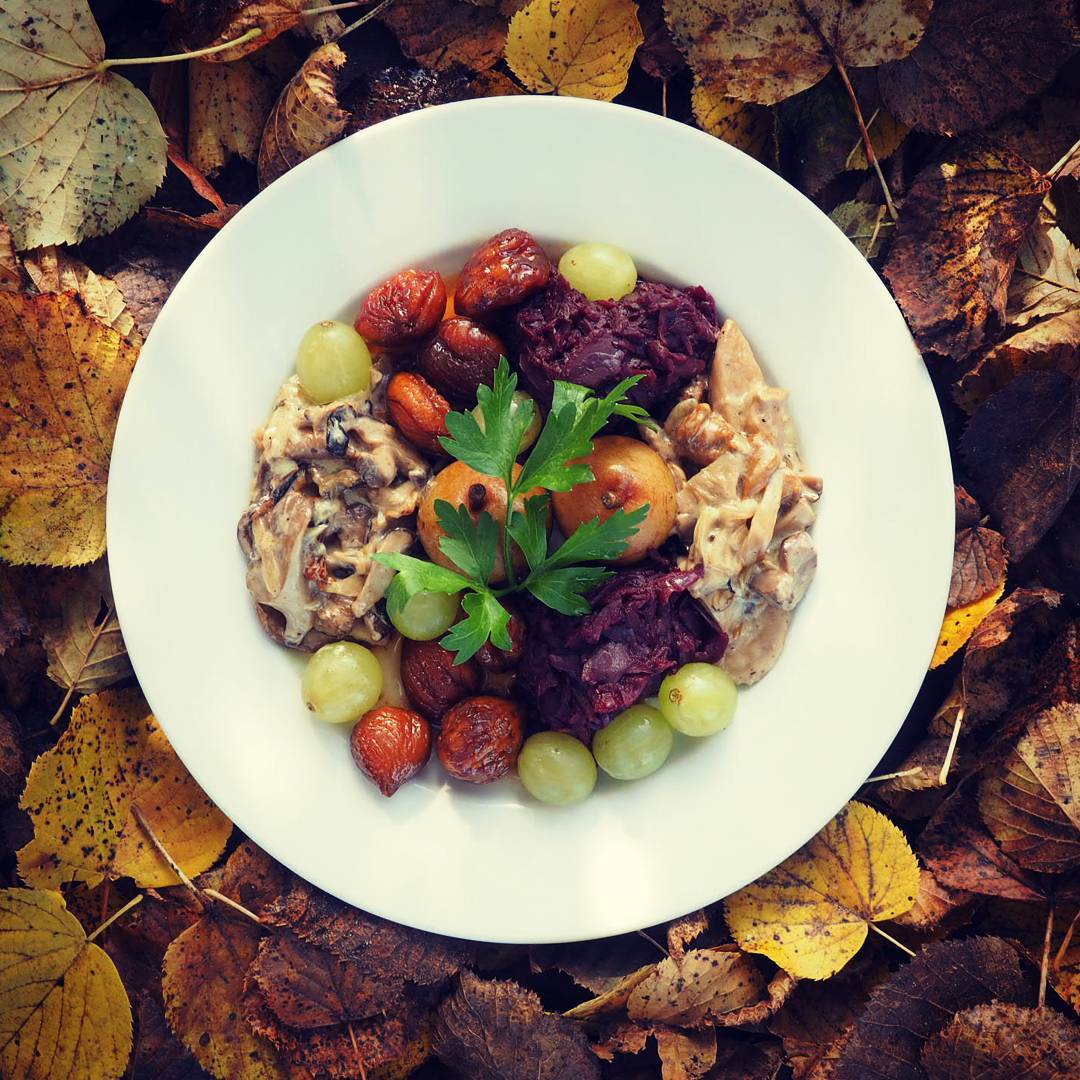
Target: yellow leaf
[
  {"x": 960, "y": 624},
  {"x": 306, "y": 118},
  {"x": 63, "y": 1010},
  {"x": 581, "y": 48},
  {"x": 749, "y": 127},
  {"x": 81, "y": 149},
  {"x": 810, "y": 915},
  {"x": 611, "y": 1000},
  {"x": 203, "y": 984},
  {"x": 61, "y": 385},
  {"x": 81, "y": 794},
  {"x": 54, "y": 270}
]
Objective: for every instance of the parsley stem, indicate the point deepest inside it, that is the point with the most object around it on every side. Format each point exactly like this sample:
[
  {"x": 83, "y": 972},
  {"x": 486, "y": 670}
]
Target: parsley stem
[{"x": 508, "y": 558}]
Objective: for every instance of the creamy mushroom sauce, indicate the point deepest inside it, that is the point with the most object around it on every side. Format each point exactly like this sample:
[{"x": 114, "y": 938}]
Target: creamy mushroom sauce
[
  {"x": 746, "y": 510},
  {"x": 334, "y": 485}
]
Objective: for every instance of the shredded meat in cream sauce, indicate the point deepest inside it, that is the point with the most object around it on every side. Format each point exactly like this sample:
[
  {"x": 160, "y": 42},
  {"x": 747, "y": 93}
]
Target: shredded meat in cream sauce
[
  {"x": 745, "y": 513},
  {"x": 334, "y": 485}
]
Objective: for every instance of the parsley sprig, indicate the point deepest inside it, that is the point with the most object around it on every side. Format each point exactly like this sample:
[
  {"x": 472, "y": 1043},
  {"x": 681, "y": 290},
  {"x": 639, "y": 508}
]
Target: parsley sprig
[{"x": 560, "y": 579}]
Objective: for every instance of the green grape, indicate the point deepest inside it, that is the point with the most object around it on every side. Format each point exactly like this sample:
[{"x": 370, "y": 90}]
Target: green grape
[
  {"x": 341, "y": 682},
  {"x": 698, "y": 699},
  {"x": 636, "y": 743},
  {"x": 425, "y": 615},
  {"x": 556, "y": 768},
  {"x": 333, "y": 362},
  {"x": 600, "y": 271},
  {"x": 528, "y": 436}
]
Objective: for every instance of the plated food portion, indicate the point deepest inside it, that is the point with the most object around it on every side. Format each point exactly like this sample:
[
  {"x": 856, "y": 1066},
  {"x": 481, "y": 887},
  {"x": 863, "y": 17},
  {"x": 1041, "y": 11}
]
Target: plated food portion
[{"x": 539, "y": 519}]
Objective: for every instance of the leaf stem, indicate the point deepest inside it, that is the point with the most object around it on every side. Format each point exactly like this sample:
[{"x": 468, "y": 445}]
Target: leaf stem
[
  {"x": 327, "y": 8},
  {"x": 366, "y": 17},
  {"x": 82, "y": 666},
  {"x": 159, "y": 847},
  {"x": 868, "y": 143},
  {"x": 1044, "y": 966},
  {"x": 892, "y": 775},
  {"x": 133, "y": 902},
  {"x": 222, "y": 898},
  {"x": 210, "y": 50},
  {"x": 1066, "y": 941},
  {"x": 943, "y": 776},
  {"x": 1064, "y": 160},
  {"x": 888, "y": 937}
]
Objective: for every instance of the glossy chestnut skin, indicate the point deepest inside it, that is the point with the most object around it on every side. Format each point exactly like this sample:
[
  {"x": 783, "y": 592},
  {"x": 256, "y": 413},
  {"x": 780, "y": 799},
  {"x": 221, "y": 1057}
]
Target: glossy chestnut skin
[
  {"x": 497, "y": 661},
  {"x": 417, "y": 410},
  {"x": 627, "y": 474},
  {"x": 403, "y": 309},
  {"x": 390, "y": 745},
  {"x": 505, "y": 270},
  {"x": 433, "y": 682},
  {"x": 480, "y": 739},
  {"x": 460, "y": 357}
]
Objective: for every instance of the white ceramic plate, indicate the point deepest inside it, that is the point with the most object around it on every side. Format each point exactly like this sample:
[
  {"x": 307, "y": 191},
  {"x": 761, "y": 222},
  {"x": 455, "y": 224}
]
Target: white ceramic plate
[{"x": 425, "y": 189}]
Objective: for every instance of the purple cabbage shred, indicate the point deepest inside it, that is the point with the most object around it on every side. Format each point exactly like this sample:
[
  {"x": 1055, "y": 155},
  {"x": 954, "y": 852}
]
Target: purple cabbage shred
[{"x": 578, "y": 672}]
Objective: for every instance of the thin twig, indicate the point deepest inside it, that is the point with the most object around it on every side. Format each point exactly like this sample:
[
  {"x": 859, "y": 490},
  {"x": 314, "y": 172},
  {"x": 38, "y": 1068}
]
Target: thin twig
[
  {"x": 888, "y": 937},
  {"x": 1064, "y": 160},
  {"x": 233, "y": 904},
  {"x": 867, "y": 141},
  {"x": 82, "y": 667},
  {"x": 893, "y": 775},
  {"x": 663, "y": 97},
  {"x": 946, "y": 765},
  {"x": 243, "y": 39},
  {"x": 1044, "y": 967},
  {"x": 377, "y": 9},
  {"x": 159, "y": 847},
  {"x": 653, "y": 941},
  {"x": 327, "y": 8},
  {"x": 135, "y": 900},
  {"x": 356, "y": 1051}
]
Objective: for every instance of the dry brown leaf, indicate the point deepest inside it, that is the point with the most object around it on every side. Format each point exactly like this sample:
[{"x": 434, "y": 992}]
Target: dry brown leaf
[
  {"x": 738, "y": 1059},
  {"x": 85, "y": 647},
  {"x": 1041, "y": 133},
  {"x": 920, "y": 999},
  {"x": 933, "y": 903},
  {"x": 397, "y": 90},
  {"x": 865, "y": 224},
  {"x": 612, "y": 998},
  {"x": 306, "y": 118},
  {"x": 81, "y": 149},
  {"x": 82, "y": 796},
  {"x": 1052, "y": 344},
  {"x": 685, "y": 1055},
  {"x": 1002, "y": 1042},
  {"x": 811, "y": 914},
  {"x": 493, "y": 1030},
  {"x": 658, "y": 56},
  {"x": 63, "y": 1009},
  {"x": 1022, "y": 449},
  {"x": 960, "y": 229},
  {"x": 55, "y": 270},
  {"x": 619, "y": 1037},
  {"x": 978, "y": 60},
  {"x": 12, "y": 758},
  {"x": 681, "y": 932},
  {"x": 1045, "y": 281},
  {"x": 749, "y": 127},
  {"x": 61, "y": 385},
  {"x": 816, "y": 1024},
  {"x": 229, "y": 104},
  {"x": 493, "y": 84},
  {"x": 214, "y": 22},
  {"x": 599, "y": 965},
  {"x": 441, "y": 34},
  {"x": 978, "y": 565},
  {"x": 767, "y": 52},
  {"x": 11, "y": 279},
  {"x": 1030, "y": 801},
  {"x": 696, "y": 989},
  {"x": 580, "y": 48},
  {"x": 776, "y": 994}
]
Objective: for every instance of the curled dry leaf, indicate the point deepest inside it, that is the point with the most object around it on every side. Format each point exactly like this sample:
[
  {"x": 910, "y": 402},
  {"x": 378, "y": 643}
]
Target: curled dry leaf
[
  {"x": 306, "y": 118},
  {"x": 84, "y": 645},
  {"x": 961, "y": 854},
  {"x": 921, "y": 769},
  {"x": 580, "y": 48},
  {"x": 81, "y": 149},
  {"x": 61, "y": 385},
  {"x": 496, "y": 1030},
  {"x": 816, "y": 1023},
  {"x": 749, "y": 127},
  {"x": 960, "y": 623},
  {"x": 920, "y": 999},
  {"x": 63, "y": 1009},
  {"x": 960, "y": 229},
  {"x": 54, "y": 270},
  {"x": 978, "y": 565},
  {"x": 1051, "y": 344},
  {"x": 767, "y": 52},
  {"x": 613, "y": 997},
  {"x": 810, "y": 915},
  {"x": 442, "y": 34},
  {"x": 686, "y": 930},
  {"x": 865, "y": 224},
  {"x": 1022, "y": 449},
  {"x": 229, "y": 104},
  {"x": 1000, "y": 1041},
  {"x": 777, "y": 992},
  {"x": 81, "y": 796},
  {"x": 213, "y": 22},
  {"x": 693, "y": 991},
  {"x": 978, "y": 60}
]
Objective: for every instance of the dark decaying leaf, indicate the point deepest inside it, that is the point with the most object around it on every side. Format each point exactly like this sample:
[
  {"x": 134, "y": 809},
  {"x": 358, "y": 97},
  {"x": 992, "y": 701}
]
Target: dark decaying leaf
[
  {"x": 739, "y": 1059},
  {"x": 968, "y": 511},
  {"x": 395, "y": 90},
  {"x": 960, "y": 228},
  {"x": 934, "y": 902},
  {"x": 920, "y": 999},
  {"x": 978, "y": 60},
  {"x": 12, "y": 759},
  {"x": 659, "y": 56},
  {"x": 961, "y": 854},
  {"x": 598, "y": 965},
  {"x": 1000, "y": 1041},
  {"x": 1041, "y": 132},
  {"x": 1022, "y": 449},
  {"x": 865, "y": 224},
  {"x": 441, "y": 34},
  {"x": 498, "y": 1030},
  {"x": 978, "y": 565},
  {"x": 816, "y": 1024},
  {"x": 15, "y": 621}
]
